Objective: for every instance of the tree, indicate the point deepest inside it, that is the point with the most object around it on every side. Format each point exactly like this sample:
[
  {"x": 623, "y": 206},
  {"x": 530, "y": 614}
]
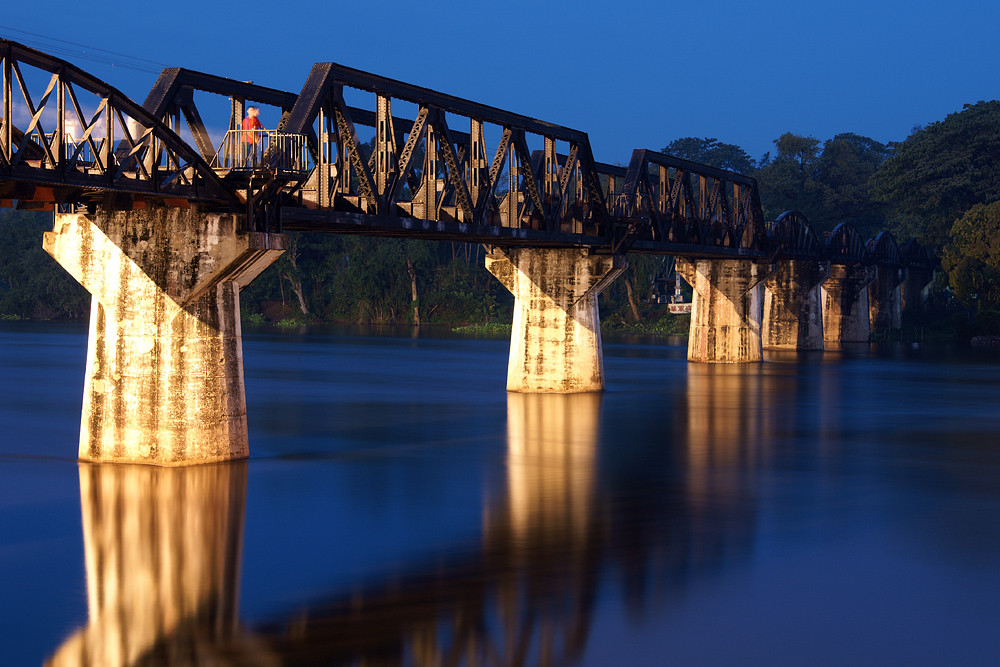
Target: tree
[
  {"x": 972, "y": 257},
  {"x": 941, "y": 171},
  {"x": 32, "y": 284},
  {"x": 788, "y": 182},
  {"x": 842, "y": 174},
  {"x": 711, "y": 152}
]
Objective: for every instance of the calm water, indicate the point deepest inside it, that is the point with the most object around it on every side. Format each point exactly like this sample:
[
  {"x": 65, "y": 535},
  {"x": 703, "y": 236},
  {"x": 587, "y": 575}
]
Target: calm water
[{"x": 400, "y": 507}]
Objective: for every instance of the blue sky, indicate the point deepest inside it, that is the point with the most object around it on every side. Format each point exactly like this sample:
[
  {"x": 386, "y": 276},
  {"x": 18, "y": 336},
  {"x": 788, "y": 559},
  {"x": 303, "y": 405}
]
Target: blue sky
[{"x": 631, "y": 73}]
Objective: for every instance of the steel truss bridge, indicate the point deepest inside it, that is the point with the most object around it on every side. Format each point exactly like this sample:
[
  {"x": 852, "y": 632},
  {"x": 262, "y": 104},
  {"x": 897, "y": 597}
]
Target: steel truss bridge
[{"x": 448, "y": 169}]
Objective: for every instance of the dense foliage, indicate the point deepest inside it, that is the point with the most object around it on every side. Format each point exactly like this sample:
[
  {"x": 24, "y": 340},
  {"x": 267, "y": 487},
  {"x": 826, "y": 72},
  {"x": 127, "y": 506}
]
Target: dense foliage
[
  {"x": 972, "y": 257},
  {"x": 941, "y": 171},
  {"x": 829, "y": 184},
  {"x": 32, "y": 284}
]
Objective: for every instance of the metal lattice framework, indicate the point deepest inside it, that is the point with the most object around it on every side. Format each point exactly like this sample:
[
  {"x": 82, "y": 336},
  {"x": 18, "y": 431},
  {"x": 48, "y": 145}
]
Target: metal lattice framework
[
  {"x": 445, "y": 168},
  {"x": 883, "y": 249},
  {"x": 917, "y": 256},
  {"x": 673, "y": 201},
  {"x": 795, "y": 237},
  {"x": 845, "y": 245},
  {"x": 425, "y": 168},
  {"x": 67, "y": 137}
]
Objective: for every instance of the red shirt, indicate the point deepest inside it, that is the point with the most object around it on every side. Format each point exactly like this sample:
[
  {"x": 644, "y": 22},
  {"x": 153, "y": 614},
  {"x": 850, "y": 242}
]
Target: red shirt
[{"x": 251, "y": 123}]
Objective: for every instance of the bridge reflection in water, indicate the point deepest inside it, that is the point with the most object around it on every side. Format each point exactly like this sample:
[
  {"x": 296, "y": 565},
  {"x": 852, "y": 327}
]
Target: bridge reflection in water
[{"x": 163, "y": 546}]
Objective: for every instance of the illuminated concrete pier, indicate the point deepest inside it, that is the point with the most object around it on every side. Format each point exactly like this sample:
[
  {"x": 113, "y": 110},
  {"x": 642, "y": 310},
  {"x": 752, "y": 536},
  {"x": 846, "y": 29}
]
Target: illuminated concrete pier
[
  {"x": 793, "y": 307},
  {"x": 725, "y": 311},
  {"x": 555, "y": 342},
  {"x": 164, "y": 378},
  {"x": 885, "y": 300},
  {"x": 845, "y": 304}
]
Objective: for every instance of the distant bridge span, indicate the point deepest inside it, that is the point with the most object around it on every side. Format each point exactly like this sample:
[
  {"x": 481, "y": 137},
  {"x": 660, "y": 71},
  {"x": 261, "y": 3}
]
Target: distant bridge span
[{"x": 164, "y": 223}]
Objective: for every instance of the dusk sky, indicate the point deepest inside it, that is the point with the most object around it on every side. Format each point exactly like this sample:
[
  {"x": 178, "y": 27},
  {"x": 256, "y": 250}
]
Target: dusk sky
[{"x": 631, "y": 73}]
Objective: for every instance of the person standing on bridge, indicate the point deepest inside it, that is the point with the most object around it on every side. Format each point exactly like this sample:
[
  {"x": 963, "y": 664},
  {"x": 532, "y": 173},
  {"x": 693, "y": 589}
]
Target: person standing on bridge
[{"x": 252, "y": 135}]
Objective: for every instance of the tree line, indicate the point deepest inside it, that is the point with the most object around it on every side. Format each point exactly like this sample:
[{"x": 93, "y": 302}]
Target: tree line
[{"x": 939, "y": 185}]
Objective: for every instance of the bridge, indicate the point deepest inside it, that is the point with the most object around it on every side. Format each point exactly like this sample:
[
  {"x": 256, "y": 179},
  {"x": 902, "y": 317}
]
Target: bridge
[{"x": 165, "y": 225}]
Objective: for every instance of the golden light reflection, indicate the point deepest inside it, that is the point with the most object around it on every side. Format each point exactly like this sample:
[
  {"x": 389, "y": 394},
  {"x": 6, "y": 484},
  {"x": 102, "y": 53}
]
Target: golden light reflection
[
  {"x": 162, "y": 548},
  {"x": 551, "y": 456},
  {"x": 724, "y": 416}
]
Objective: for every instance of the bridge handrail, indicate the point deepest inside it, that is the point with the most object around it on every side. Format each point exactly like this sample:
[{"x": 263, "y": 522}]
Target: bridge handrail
[{"x": 272, "y": 150}]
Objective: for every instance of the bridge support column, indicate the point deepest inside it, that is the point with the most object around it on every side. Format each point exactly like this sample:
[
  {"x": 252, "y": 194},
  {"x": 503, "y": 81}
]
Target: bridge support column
[
  {"x": 164, "y": 378},
  {"x": 725, "y": 310},
  {"x": 885, "y": 301},
  {"x": 912, "y": 289},
  {"x": 845, "y": 304},
  {"x": 555, "y": 341},
  {"x": 793, "y": 309}
]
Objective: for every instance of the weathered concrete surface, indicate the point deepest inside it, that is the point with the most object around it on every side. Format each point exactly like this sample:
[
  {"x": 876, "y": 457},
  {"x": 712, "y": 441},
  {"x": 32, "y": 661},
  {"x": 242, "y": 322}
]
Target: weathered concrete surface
[
  {"x": 555, "y": 342},
  {"x": 885, "y": 301},
  {"x": 164, "y": 379},
  {"x": 845, "y": 304},
  {"x": 912, "y": 289},
  {"x": 793, "y": 309},
  {"x": 725, "y": 310},
  {"x": 162, "y": 552}
]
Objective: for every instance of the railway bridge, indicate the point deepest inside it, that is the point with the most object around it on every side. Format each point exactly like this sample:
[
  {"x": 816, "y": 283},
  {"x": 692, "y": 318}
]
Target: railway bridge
[{"x": 165, "y": 219}]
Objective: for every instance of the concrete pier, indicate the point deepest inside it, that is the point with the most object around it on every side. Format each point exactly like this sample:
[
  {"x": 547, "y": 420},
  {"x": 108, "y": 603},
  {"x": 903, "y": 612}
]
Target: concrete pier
[
  {"x": 725, "y": 310},
  {"x": 793, "y": 307},
  {"x": 555, "y": 342},
  {"x": 912, "y": 289},
  {"x": 885, "y": 301},
  {"x": 845, "y": 304},
  {"x": 164, "y": 378}
]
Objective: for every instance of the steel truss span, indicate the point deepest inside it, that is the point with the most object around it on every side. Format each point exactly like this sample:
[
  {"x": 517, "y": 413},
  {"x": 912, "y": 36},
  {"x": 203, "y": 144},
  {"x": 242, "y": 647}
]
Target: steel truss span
[
  {"x": 376, "y": 156},
  {"x": 68, "y": 138}
]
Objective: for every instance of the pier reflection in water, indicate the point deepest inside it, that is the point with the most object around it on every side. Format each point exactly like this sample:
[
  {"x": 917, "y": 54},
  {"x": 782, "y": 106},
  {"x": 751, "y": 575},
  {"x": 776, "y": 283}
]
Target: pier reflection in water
[
  {"x": 163, "y": 550},
  {"x": 822, "y": 510}
]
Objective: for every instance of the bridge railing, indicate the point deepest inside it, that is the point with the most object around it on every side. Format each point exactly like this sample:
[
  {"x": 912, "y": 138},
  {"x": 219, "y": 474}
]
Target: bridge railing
[{"x": 269, "y": 150}]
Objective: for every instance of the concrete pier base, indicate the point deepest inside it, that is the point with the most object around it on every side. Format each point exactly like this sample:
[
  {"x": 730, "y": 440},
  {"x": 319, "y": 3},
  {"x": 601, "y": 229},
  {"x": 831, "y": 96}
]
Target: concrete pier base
[
  {"x": 725, "y": 310},
  {"x": 555, "y": 342},
  {"x": 885, "y": 301},
  {"x": 793, "y": 307},
  {"x": 164, "y": 378},
  {"x": 845, "y": 304}
]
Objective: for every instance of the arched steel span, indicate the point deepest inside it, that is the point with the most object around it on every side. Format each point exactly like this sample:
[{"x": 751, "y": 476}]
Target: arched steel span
[
  {"x": 883, "y": 249},
  {"x": 916, "y": 255},
  {"x": 122, "y": 151},
  {"x": 845, "y": 245},
  {"x": 793, "y": 237}
]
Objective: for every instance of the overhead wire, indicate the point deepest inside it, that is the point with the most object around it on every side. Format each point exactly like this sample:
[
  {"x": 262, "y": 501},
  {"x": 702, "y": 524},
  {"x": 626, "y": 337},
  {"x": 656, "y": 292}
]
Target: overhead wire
[{"x": 65, "y": 47}]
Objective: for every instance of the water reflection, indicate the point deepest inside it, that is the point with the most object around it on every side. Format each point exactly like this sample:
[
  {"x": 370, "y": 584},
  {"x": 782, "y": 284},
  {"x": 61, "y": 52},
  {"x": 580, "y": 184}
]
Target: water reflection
[
  {"x": 162, "y": 550},
  {"x": 163, "y": 546}
]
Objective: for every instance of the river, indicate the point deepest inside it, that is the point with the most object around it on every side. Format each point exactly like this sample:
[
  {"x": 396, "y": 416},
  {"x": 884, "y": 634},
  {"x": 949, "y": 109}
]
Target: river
[{"x": 399, "y": 507}]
